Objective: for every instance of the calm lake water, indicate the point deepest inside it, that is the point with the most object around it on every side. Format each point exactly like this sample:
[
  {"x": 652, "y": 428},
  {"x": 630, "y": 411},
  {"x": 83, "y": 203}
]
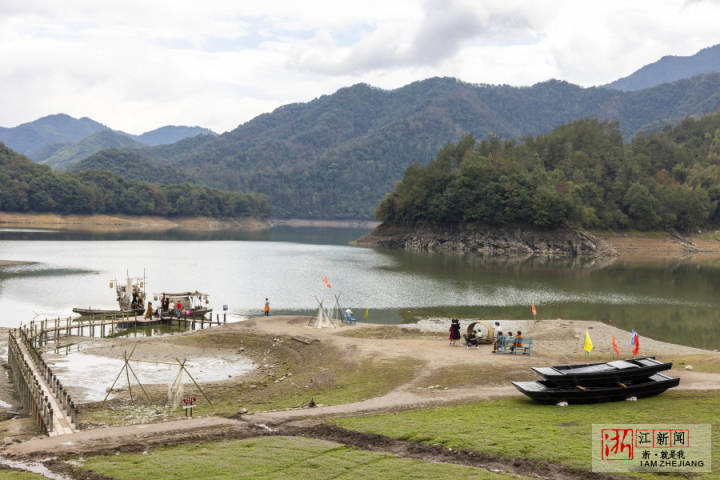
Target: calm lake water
[{"x": 676, "y": 301}]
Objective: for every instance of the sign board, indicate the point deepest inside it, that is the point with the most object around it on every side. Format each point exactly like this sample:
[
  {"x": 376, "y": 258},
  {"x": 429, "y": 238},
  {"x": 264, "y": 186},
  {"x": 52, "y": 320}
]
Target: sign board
[
  {"x": 188, "y": 404},
  {"x": 651, "y": 448},
  {"x": 225, "y": 308}
]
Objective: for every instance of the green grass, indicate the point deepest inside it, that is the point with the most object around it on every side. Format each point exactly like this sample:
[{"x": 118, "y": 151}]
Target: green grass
[
  {"x": 7, "y": 474},
  {"x": 274, "y": 458},
  {"x": 517, "y": 428}
]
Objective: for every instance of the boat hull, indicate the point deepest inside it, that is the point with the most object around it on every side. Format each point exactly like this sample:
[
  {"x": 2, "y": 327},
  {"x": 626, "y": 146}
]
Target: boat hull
[
  {"x": 546, "y": 392},
  {"x": 596, "y": 374}
]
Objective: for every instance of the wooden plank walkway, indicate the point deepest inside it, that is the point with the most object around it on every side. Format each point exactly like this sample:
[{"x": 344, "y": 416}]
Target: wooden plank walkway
[{"x": 61, "y": 423}]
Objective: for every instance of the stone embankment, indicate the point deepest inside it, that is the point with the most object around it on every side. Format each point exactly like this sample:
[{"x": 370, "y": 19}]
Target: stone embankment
[{"x": 491, "y": 241}]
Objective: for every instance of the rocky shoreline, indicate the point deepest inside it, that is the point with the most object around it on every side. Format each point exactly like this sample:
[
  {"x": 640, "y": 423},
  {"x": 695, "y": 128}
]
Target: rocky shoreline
[{"x": 490, "y": 241}]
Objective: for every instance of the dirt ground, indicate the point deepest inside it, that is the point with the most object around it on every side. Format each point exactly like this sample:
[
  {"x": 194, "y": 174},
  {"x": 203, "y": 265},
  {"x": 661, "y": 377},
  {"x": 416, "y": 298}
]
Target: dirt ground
[
  {"x": 120, "y": 223},
  {"x": 555, "y": 341}
]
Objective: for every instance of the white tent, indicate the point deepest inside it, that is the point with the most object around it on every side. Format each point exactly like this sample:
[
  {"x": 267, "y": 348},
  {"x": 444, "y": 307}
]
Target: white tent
[{"x": 322, "y": 319}]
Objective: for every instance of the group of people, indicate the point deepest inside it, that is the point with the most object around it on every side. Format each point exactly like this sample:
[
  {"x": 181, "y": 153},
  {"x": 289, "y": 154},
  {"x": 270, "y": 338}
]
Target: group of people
[
  {"x": 165, "y": 306},
  {"x": 508, "y": 341}
]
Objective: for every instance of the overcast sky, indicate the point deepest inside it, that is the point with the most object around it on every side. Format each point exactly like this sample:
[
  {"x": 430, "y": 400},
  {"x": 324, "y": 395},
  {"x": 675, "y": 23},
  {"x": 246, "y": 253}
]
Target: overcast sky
[{"x": 136, "y": 65}]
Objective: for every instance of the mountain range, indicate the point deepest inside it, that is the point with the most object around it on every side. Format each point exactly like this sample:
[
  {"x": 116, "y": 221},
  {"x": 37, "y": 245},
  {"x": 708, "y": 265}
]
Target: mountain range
[
  {"x": 55, "y": 132},
  {"x": 338, "y": 155},
  {"x": 670, "y": 69}
]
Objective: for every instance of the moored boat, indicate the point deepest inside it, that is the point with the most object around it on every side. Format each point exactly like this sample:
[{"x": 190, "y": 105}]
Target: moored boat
[
  {"x": 591, "y": 374},
  {"x": 544, "y": 391}
]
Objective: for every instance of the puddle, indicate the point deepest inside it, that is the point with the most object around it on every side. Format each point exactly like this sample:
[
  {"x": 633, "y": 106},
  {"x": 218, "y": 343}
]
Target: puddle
[
  {"x": 88, "y": 376},
  {"x": 34, "y": 467}
]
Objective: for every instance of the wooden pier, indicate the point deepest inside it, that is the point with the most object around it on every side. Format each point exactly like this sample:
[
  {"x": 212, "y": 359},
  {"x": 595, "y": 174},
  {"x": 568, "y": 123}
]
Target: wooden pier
[{"x": 39, "y": 390}]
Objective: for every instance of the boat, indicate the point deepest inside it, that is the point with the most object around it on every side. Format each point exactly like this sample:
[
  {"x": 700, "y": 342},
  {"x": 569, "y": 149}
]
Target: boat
[
  {"x": 591, "y": 374},
  {"x": 130, "y": 297},
  {"x": 194, "y": 304},
  {"x": 544, "y": 391}
]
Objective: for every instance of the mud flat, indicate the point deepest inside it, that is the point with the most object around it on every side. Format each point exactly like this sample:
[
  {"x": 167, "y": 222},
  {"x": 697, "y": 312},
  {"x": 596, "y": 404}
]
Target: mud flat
[{"x": 120, "y": 223}]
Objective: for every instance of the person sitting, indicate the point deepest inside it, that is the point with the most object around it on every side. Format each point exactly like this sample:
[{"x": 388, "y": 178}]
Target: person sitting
[
  {"x": 508, "y": 341},
  {"x": 518, "y": 340},
  {"x": 471, "y": 339}
]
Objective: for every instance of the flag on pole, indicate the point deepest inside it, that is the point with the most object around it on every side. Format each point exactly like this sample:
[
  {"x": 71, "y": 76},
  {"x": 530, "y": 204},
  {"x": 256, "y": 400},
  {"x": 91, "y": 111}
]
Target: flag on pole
[
  {"x": 366, "y": 313},
  {"x": 588, "y": 343},
  {"x": 636, "y": 342},
  {"x": 533, "y": 310},
  {"x": 615, "y": 346}
]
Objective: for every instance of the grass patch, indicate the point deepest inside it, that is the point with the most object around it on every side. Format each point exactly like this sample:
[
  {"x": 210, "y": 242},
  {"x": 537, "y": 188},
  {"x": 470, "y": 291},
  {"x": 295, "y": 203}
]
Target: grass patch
[
  {"x": 387, "y": 331},
  {"x": 291, "y": 373},
  {"x": 276, "y": 458},
  {"x": 7, "y": 474},
  {"x": 700, "y": 363},
  {"x": 470, "y": 375},
  {"x": 518, "y": 428}
]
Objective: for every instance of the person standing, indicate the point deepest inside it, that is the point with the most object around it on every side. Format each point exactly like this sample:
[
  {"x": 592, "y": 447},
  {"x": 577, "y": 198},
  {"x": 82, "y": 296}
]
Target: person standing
[
  {"x": 454, "y": 331},
  {"x": 267, "y": 307}
]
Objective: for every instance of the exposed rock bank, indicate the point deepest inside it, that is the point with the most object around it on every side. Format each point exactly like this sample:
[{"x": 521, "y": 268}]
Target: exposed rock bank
[{"x": 491, "y": 241}]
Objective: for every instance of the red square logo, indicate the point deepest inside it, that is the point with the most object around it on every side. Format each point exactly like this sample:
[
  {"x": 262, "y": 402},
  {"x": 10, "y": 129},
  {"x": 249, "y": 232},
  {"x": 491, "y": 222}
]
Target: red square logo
[{"x": 617, "y": 443}]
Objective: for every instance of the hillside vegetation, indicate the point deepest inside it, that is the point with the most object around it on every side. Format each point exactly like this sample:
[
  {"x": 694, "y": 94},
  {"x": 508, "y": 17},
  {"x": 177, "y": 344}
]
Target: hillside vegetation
[
  {"x": 581, "y": 175},
  {"x": 60, "y": 156},
  {"x": 29, "y": 187},
  {"x": 338, "y": 155}
]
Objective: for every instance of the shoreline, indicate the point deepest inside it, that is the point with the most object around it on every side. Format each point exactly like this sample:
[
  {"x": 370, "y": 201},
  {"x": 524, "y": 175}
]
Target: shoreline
[
  {"x": 516, "y": 242},
  {"x": 129, "y": 223}
]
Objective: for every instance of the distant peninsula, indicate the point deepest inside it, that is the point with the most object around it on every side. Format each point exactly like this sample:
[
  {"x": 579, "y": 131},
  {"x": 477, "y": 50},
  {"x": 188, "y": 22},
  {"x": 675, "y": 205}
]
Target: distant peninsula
[{"x": 542, "y": 194}]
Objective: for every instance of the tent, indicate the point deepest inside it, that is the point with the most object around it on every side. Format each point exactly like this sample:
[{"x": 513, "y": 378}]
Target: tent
[{"x": 322, "y": 319}]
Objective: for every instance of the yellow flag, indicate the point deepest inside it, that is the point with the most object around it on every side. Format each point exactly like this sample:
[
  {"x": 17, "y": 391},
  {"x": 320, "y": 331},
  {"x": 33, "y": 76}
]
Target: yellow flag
[
  {"x": 588, "y": 343},
  {"x": 366, "y": 313}
]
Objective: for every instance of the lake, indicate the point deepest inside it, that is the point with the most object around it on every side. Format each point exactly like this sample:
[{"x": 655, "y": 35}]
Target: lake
[{"x": 671, "y": 300}]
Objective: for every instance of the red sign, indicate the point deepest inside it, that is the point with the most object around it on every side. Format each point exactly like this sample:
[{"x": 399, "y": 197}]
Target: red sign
[{"x": 189, "y": 400}]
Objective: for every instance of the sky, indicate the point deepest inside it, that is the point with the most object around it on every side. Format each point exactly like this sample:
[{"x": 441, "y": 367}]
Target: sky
[{"x": 136, "y": 65}]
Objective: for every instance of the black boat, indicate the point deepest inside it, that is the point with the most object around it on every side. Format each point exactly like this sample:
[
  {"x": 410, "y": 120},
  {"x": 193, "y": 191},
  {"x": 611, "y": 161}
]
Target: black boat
[
  {"x": 544, "y": 391},
  {"x": 593, "y": 374}
]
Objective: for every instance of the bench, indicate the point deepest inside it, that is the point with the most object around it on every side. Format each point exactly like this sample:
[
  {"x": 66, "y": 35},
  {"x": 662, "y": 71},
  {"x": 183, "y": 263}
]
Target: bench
[{"x": 510, "y": 345}]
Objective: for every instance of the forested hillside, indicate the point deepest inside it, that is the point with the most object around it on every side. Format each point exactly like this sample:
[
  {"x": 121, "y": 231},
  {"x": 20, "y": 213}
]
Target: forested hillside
[
  {"x": 581, "y": 175},
  {"x": 670, "y": 69},
  {"x": 60, "y": 156},
  {"x": 131, "y": 166},
  {"x": 338, "y": 155},
  {"x": 28, "y": 187}
]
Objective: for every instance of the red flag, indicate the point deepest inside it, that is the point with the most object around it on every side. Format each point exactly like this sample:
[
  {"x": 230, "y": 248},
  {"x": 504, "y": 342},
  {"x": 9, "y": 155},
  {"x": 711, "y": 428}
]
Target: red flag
[
  {"x": 533, "y": 310},
  {"x": 615, "y": 346},
  {"x": 636, "y": 348}
]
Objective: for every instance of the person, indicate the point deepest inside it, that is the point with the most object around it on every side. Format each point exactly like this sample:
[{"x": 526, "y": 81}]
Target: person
[
  {"x": 267, "y": 307},
  {"x": 454, "y": 331},
  {"x": 178, "y": 309},
  {"x": 518, "y": 340},
  {"x": 496, "y": 335},
  {"x": 472, "y": 340},
  {"x": 149, "y": 312}
]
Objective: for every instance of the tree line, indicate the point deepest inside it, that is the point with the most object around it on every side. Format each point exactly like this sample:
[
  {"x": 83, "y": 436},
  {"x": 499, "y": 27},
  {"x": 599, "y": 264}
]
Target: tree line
[
  {"x": 28, "y": 187},
  {"x": 581, "y": 174}
]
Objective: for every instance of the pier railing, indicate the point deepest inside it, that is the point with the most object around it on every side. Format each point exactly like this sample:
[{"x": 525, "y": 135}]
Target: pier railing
[{"x": 31, "y": 395}]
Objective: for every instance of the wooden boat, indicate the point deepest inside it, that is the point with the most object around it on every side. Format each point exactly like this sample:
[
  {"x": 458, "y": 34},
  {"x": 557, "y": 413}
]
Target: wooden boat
[
  {"x": 130, "y": 297},
  {"x": 194, "y": 304},
  {"x": 544, "y": 391},
  {"x": 590, "y": 374}
]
